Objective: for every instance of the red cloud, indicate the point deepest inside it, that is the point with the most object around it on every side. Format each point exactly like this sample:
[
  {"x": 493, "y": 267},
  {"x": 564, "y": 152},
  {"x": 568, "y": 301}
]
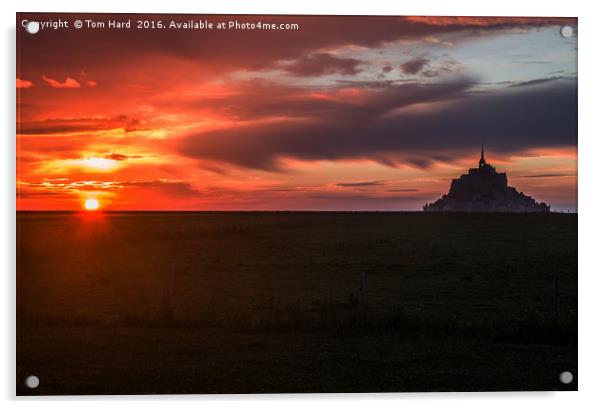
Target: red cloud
[
  {"x": 23, "y": 83},
  {"x": 68, "y": 83},
  {"x": 491, "y": 21}
]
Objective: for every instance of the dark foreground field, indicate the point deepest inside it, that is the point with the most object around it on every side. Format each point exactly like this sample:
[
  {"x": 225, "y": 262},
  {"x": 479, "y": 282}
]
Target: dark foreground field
[{"x": 129, "y": 303}]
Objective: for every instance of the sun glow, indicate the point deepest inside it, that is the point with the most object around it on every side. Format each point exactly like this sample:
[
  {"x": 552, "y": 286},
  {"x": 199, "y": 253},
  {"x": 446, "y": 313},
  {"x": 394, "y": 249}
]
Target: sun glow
[
  {"x": 99, "y": 163},
  {"x": 91, "y": 204}
]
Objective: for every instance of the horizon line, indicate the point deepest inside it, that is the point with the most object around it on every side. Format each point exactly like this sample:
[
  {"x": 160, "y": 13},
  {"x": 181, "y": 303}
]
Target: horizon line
[{"x": 271, "y": 211}]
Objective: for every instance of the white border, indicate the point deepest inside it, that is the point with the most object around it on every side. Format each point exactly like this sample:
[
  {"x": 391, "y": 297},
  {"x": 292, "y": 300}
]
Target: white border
[{"x": 590, "y": 197}]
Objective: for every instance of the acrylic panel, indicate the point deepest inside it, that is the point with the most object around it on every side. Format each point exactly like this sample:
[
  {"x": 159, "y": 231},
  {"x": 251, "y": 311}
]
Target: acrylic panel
[{"x": 217, "y": 204}]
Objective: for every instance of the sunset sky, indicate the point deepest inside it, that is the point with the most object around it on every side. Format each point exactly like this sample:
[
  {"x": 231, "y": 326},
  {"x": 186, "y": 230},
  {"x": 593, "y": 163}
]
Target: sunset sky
[{"x": 344, "y": 113}]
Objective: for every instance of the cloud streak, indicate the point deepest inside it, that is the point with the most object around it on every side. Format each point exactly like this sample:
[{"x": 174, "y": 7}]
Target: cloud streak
[
  {"x": 68, "y": 83},
  {"x": 75, "y": 125},
  {"x": 361, "y": 184}
]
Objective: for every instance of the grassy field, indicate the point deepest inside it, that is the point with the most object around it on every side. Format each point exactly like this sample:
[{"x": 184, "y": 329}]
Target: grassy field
[{"x": 268, "y": 302}]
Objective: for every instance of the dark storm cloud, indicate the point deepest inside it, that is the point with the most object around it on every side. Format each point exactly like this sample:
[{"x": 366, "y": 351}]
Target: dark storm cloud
[
  {"x": 506, "y": 121},
  {"x": 415, "y": 65},
  {"x": 342, "y": 125},
  {"x": 323, "y": 64}
]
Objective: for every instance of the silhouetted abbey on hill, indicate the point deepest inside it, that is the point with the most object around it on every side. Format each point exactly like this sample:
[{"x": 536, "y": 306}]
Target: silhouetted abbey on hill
[{"x": 484, "y": 190}]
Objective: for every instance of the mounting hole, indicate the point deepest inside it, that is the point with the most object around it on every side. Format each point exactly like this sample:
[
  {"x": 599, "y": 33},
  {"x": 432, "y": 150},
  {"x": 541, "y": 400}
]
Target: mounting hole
[
  {"x": 566, "y": 377},
  {"x": 32, "y": 381},
  {"x": 566, "y": 31},
  {"x": 32, "y": 27}
]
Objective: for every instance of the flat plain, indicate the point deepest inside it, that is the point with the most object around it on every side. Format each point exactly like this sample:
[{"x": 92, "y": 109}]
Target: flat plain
[{"x": 276, "y": 302}]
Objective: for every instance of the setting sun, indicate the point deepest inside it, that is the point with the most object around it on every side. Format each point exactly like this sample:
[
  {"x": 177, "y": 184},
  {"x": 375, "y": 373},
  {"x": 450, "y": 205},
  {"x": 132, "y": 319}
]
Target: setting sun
[{"x": 91, "y": 204}]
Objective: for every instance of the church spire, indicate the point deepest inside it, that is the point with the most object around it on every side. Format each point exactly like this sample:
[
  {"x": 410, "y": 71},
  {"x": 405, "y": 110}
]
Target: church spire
[{"x": 482, "y": 160}]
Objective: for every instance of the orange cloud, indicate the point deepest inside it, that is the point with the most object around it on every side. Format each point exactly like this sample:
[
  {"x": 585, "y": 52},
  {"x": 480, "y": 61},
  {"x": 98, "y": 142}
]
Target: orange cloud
[
  {"x": 23, "y": 83},
  {"x": 68, "y": 83}
]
